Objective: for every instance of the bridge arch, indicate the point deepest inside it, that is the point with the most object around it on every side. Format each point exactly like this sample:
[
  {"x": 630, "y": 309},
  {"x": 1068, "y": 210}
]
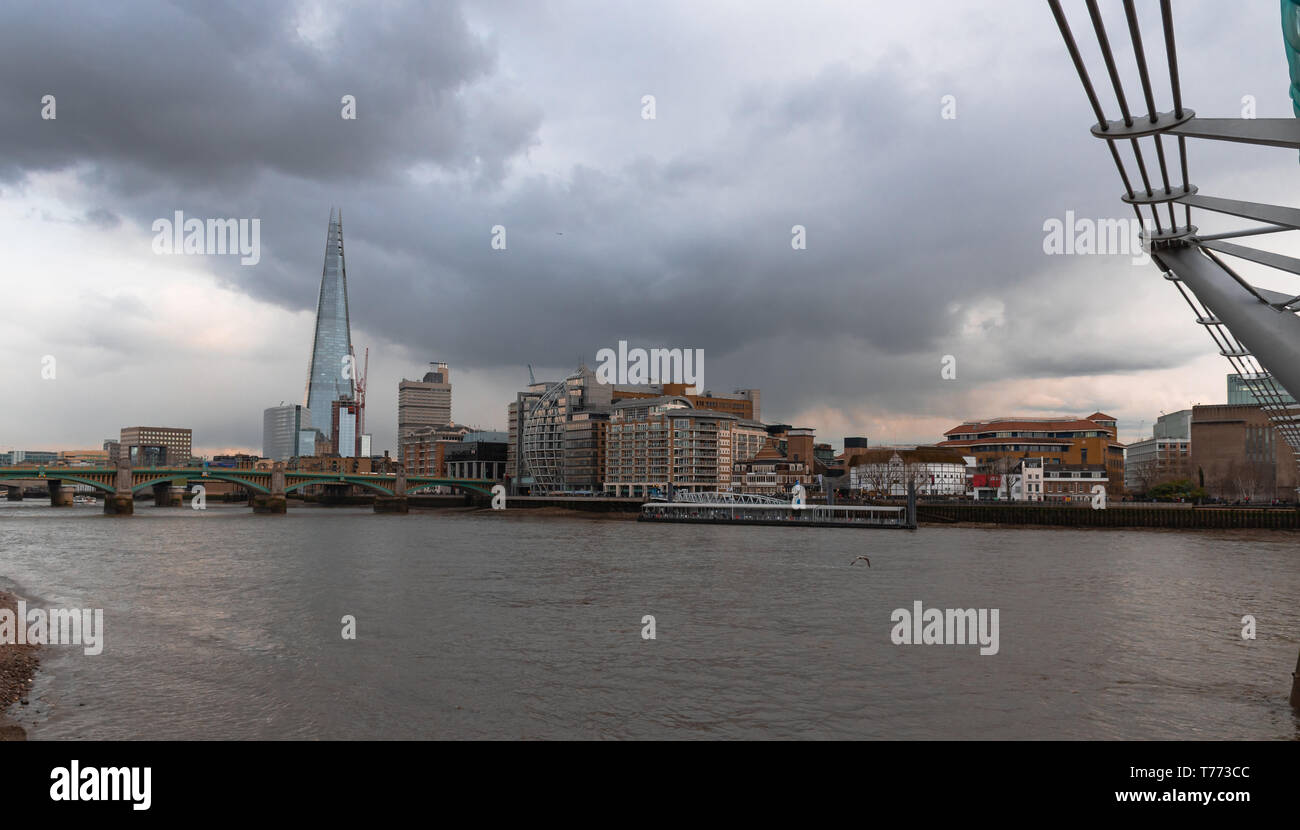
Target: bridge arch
[
  {"x": 28, "y": 476},
  {"x": 455, "y": 485},
  {"x": 136, "y": 487},
  {"x": 358, "y": 480}
]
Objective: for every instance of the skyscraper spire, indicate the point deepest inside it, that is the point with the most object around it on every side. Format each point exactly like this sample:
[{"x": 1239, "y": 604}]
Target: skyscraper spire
[{"x": 328, "y": 375}]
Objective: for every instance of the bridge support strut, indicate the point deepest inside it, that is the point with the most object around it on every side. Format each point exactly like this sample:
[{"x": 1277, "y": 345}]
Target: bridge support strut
[
  {"x": 121, "y": 502},
  {"x": 397, "y": 502},
  {"x": 274, "y": 503}
]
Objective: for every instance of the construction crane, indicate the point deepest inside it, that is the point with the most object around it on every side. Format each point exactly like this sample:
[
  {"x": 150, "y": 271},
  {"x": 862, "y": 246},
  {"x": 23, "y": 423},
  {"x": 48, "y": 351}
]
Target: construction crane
[{"x": 361, "y": 390}]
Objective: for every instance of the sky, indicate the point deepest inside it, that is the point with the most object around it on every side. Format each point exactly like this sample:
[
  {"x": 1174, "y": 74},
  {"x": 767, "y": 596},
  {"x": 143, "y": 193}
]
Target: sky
[{"x": 924, "y": 233}]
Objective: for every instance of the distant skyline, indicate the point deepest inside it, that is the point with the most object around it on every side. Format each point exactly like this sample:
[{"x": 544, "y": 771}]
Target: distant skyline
[{"x": 924, "y": 234}]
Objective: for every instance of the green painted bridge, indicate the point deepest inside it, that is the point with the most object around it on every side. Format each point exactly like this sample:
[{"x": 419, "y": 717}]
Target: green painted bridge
[{"x": 267, "y": 488}]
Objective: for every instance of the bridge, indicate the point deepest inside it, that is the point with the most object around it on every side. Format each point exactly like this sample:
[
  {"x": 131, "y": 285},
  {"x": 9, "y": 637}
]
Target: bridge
[
  {"x": 1255, "y": 328},
  {"x": 268, "y": 489}
]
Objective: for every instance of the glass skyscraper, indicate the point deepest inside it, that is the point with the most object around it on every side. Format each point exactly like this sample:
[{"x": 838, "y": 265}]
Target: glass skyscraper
[{"x": 329, "y": 376}]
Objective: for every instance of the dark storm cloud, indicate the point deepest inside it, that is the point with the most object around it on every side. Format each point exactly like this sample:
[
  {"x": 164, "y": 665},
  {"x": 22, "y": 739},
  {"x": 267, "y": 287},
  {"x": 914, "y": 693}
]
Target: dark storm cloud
[
  {"x": 912, "y": 220},
  {"x": 208, "y": 94}
]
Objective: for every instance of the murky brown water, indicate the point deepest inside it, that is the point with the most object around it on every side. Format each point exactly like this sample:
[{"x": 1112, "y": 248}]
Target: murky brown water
[{"x": 227, "y": 625}]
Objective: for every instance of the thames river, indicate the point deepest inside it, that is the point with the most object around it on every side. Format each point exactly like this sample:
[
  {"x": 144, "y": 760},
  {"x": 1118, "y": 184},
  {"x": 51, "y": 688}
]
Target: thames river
[{"x": 223, "y": 624}]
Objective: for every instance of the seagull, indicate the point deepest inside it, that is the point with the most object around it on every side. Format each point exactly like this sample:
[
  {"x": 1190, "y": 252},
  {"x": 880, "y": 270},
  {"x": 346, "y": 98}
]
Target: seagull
[{"x": 863, "y": 558}]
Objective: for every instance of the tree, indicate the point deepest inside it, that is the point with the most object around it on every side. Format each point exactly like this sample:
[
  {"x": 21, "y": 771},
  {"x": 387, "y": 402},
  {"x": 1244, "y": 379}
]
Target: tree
[
  {"x": 1006, "y": 466},
  {"x": 1177, "y": 489}
]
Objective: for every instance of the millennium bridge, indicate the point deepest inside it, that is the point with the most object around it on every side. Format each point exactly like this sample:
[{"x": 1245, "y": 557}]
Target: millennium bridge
[{"x": 268, "y": 489}]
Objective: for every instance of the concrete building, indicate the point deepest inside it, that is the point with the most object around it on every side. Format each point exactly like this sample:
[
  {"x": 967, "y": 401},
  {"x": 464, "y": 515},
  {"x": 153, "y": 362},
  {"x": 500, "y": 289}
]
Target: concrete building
[
  {"x": 423, "y": 403},
  {"x": 281, "y": 427},
  {"x": 156, "y": 446},
  {"x": 1236, "y": 455},
  {"x": 1165, "y": 456}
]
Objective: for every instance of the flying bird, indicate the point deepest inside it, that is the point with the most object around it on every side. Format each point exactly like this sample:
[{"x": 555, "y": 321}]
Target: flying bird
[{"x": 864, "y": 559}]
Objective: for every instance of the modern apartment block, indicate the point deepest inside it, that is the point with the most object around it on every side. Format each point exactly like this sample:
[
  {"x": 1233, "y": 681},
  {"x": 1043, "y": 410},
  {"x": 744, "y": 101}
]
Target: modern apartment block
[
  {"x": 1000, "y": 443},
  {"x": 155, "y": 446},
  {"x": 423, "y": 403},
  {"x": 662, "y": 445},
  {"x": 281, "y": 427},
  {"x": 585, "y": 446}
]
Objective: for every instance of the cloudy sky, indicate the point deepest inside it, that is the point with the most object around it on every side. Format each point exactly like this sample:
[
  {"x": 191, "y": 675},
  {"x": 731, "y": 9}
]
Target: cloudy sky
[{"x": 924, "y": 233}]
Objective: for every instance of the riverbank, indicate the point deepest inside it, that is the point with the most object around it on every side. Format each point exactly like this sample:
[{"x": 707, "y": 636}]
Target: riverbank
[{"x": 17, "y": 666}]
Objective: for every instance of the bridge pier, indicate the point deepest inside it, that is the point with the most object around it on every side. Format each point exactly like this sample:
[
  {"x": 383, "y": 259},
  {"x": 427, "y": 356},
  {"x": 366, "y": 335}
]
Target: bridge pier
[
  {"x": 168, "y": 495},
  {"x": 60, "y": 496},
  {"x": 14, "y": 493},
  {"x": 275, "y": 502},
  {"x": 397, "y": 502},
  {"x": 121, "y": 502}
]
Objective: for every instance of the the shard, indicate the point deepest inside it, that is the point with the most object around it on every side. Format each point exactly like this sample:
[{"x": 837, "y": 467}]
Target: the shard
[{"x": 330, "y": 374}]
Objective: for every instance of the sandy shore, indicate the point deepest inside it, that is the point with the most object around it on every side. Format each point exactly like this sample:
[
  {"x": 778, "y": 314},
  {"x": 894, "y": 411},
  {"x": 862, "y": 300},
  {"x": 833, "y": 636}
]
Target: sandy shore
[{"x": 17, "y": 665}]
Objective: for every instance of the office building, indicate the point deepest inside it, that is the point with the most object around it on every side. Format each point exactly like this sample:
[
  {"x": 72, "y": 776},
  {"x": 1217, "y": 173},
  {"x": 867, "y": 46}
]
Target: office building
[
  {"x": 478, "y": 455},
  {"x": 155, "y": 446},
  {"x": 282, "y": 427},
  {"x": 1246, "y": 390},
  {"x": 538, "y": 428},
  {"x": 1165, "y": 456},
  {"x": 998, "y": 444},
  {"x": 423, "y": 403},
  {"x": 330, "y": 374},
  {"x": 345, "y": 437}
]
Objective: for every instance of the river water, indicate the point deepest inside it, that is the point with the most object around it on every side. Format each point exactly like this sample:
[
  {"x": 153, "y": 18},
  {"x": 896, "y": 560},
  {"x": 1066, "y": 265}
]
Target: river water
[{"x": 223, "y": 624}]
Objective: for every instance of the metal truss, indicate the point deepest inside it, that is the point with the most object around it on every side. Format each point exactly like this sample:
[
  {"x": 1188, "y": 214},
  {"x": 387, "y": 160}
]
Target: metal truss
[
  {"x": 726, "y": 498},
  {"x": 1255, "y": 329}
]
